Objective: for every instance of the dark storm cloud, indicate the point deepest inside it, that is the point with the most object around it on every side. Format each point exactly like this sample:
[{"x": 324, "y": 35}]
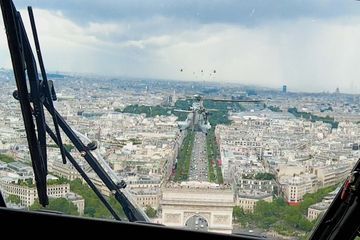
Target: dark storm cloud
[
  {"x": 248, "y": 13},
  {"x": 308, "y": 45}
]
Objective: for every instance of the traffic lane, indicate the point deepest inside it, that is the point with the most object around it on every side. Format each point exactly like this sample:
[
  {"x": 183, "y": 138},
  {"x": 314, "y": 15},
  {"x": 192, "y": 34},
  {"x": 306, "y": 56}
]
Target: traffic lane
[{"x": 198, "y": 170}]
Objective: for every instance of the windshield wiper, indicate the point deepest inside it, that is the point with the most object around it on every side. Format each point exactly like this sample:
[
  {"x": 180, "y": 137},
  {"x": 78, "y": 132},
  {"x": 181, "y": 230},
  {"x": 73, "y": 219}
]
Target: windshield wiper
[
  {"x": 47, "y": 86},
  {"x": 42, "y": 94},
  {"x": 23, "y": 66}
]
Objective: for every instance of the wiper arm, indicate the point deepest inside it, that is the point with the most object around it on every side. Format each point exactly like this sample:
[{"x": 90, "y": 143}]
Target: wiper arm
[
  {"x": 42, "y": 96},
  {"x": 20, "y": 61},
  {"x": 133, "y": 214},
  {"x": 47, "y": 88},
  {"x": 85, "y": 176}
]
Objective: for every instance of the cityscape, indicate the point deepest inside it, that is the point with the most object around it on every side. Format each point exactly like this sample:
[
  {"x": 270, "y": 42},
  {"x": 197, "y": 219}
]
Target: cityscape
[{"x": 269, "y": 167}]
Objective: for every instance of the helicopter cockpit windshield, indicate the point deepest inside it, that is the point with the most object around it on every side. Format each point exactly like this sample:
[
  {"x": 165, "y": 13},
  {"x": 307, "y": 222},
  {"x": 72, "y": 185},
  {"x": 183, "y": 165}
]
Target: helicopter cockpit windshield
[{"x": 216, "y": 120}]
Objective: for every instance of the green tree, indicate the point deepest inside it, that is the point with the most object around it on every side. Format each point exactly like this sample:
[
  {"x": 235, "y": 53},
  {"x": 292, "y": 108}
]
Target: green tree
[
  {"x": 26, "y": 183},
  {"x": 284, "y": 219},
  {"x": 311, "y": 198},
  {"x": 264, "y": 176},
  {"x": 6, "y": 158},
  {"x": 149, "y": 111},
  {"x": 68, "y": 147},
  {"x": 274, "y": 108},
  {"x": 93, "y": 206},
  {"x": 184, "y": 157},
  {"x": 150, "y": 212},
  {"x": 13, "y": 199},
  {"x": 60, "y": 180},
  {"x": 57, "y": 204},
  {"x": 313, "y": 118},
  {"x": 213, "y": 152},
  {"x": 241, "y": 217}
]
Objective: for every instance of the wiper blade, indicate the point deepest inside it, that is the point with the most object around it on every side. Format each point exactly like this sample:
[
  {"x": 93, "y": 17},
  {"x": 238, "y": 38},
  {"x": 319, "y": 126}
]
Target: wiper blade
[
  {"x": 18, "y": 46},
  {"x": 42, "y": 95},
  {"x": 85, "y": 176},
  {"x": 47, "y": 89},
  {"x": 132, "y": 213}
]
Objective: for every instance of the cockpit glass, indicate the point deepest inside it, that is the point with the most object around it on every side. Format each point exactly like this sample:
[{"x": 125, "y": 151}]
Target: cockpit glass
[{"x": 238, "y": 117}]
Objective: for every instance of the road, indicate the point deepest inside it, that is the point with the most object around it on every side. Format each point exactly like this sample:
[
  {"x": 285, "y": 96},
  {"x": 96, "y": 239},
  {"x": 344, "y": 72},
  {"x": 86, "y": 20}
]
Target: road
[{"x": 199, "y": 160}]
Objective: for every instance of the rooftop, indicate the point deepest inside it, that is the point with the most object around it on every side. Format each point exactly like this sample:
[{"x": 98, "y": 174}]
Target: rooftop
[
  {"x": 253, "y": 194},
  {"x": 320, "y": 206}
]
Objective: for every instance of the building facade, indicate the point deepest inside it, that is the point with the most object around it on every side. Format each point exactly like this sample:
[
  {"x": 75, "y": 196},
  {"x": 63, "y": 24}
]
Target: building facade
[
  {"x": 28, "y": 195},
  {"x": 200, "y": 205}
]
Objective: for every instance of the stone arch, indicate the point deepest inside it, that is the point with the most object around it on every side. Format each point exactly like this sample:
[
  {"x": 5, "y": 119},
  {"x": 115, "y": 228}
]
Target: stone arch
[{"x": 197, "y": 222}]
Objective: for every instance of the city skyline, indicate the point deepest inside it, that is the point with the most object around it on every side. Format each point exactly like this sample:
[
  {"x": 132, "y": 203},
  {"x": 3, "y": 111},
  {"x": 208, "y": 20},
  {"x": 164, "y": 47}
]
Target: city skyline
[{"x": 200, "y": 84}]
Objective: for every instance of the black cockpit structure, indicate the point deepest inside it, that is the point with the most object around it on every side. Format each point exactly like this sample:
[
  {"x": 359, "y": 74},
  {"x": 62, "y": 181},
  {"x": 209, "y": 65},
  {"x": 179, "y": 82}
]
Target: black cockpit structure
[{"x": 36, "y": 93}]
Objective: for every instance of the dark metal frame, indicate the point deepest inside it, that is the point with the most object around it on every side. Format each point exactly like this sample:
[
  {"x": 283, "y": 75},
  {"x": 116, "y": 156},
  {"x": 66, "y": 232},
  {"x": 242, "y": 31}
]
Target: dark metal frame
[
  {"x": 2, "y": 201},
  {"x": 87, "y": 227},
  {"x": 341, "y": 220},
  {"x": 32, "y": 106}
]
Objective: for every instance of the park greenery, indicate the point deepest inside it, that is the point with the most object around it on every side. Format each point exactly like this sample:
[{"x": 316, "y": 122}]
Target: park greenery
[
  {"x": 184, "y": 157},
  {"x": 13, "y": 199},
  {"x": 6, "y": 158},
  {"x": 67, "y": 147},
  {"x": 30, "y": 183},
  {"x": 26, "y": 182},
  {"x": 149, "y": 111},
  {"x": 279, "y": 216},
  {"x": 220, "y": 116},
  {"x": 93, "y": 206},
  {"x": 135, "y": 141},
  {"x": 150, "y": 212},
  {"x": 274, "y": 108},
  {"x": 57, "y": 204},
  {"x": 329, "y": 108},
  {"x": 213, "y": 154},
  {"x": 259, "y": 176},
  {"x": 58, "y": 181},
  {"x": 313, "y": 118}
]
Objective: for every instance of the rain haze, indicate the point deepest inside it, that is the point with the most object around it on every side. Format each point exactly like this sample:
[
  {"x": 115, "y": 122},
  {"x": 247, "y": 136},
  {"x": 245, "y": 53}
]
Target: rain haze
[{"x": 307, "y": 45}]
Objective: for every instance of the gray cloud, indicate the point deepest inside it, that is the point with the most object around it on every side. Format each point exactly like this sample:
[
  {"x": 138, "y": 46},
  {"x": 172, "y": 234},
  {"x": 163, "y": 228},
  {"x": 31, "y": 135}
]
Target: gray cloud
[
  {"x": 249, "y": 13},
  {"x": 310, "y": 46}
]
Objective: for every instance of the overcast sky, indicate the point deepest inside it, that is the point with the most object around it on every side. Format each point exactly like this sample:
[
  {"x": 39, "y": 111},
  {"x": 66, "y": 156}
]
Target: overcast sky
[{"x": 308, "y": 45}]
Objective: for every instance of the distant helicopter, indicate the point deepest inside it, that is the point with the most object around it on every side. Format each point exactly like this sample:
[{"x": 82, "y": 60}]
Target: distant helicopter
[{"x": 198, "y": 117}]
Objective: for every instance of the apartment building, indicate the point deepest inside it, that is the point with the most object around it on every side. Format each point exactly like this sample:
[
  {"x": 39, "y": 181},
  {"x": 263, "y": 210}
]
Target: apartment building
[
  {"x": 28, "y": 194},
  {"x": 295, "y": 187},
  {"x": 247, "y": 199}
]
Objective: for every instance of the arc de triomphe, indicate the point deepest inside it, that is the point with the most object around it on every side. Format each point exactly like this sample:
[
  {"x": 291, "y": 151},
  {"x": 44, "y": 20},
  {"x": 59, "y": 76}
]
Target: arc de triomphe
[{"x": 198, "y": 205}]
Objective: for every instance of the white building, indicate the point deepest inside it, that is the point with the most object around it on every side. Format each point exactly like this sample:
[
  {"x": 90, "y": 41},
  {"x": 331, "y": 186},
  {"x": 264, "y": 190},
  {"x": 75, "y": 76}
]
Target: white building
[
  {"x": 294, "y": 188},
  {"x": 316, "y": 209},
  {"x": 77, "y": 200},
  {"x": 247, "y": 199},
  {"x": 28, "y": 194}
]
